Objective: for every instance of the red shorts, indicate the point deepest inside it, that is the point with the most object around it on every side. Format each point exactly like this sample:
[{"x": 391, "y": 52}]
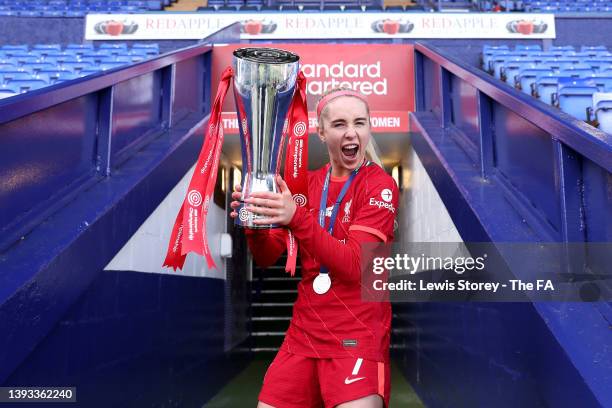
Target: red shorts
[{"x": 294, "y": 381}]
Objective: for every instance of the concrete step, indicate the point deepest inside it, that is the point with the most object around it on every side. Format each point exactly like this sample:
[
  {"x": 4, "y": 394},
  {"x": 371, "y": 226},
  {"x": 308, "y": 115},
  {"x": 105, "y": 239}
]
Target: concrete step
[
  {"x": 270, "y": 323},
  {"x": 275, "y": 295},
  {"x": 267, "y": 339},
  {"x": 272, "y": 309}
]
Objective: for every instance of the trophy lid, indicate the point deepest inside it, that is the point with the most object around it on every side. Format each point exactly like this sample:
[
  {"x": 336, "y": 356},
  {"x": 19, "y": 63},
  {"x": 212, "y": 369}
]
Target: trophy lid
[{"x": 266, "y": 55}]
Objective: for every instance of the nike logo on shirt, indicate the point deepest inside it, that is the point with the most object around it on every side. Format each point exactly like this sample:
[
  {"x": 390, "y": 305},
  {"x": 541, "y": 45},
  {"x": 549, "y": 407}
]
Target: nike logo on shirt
[{"x": 348, "y": 381}]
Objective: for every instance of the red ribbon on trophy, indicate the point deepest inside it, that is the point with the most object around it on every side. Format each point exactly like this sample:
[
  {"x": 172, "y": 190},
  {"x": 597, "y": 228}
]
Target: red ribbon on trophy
[
  {"x": 189, "y": 230},
  {"x": 296, "y": 160}
]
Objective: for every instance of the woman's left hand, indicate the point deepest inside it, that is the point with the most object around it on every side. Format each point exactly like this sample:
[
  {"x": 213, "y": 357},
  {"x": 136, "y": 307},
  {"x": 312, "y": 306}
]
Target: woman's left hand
[{"x": 277, "y": 208}]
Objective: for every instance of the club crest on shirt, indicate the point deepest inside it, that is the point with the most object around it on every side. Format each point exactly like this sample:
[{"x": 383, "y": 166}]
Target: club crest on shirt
[
  {"x": 328, "y": 211},
  {"x": 347, "y": 211}
]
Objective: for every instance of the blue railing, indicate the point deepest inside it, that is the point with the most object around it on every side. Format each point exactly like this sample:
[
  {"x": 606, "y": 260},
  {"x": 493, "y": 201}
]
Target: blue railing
[
  {"x": 510, "y": 169},
  {"x": 82, "y": 165},
  {"x": 549, "y": 168},
  {"x": 58, "y": 140}
]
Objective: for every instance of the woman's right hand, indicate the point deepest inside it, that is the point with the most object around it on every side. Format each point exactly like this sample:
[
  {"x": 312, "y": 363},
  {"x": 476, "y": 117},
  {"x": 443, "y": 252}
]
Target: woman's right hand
[{"x": 236, "y": 198}]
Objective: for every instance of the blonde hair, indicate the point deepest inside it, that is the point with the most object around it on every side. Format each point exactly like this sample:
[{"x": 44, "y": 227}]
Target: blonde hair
[{"x": 371, "y": 149}]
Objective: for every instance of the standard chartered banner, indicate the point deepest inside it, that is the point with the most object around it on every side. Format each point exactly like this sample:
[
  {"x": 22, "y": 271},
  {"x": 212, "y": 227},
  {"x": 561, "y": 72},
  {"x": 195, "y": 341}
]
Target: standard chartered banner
[
  {"x": 382, "y": 72},
  {"x": 277, "y": 26}
]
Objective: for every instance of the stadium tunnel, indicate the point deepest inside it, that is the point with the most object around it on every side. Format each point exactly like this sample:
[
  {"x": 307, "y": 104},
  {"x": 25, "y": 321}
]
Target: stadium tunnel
[{"x": 93, "y": 172}]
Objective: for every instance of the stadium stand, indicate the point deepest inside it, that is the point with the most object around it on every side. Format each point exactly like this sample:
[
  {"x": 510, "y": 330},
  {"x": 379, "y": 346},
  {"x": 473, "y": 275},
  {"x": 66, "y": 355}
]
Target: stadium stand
[
  {"x": 547, "y": 6},
  {"x": 24, "y": 69},
  {"x": 305, "y": 6},
  {"x": 577, "y": 82},
  {"x": 77, "y": 8}
]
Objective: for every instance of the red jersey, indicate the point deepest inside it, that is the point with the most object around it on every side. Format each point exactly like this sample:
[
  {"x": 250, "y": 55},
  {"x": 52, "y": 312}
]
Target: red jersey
[{"x": 336, "y": 324}]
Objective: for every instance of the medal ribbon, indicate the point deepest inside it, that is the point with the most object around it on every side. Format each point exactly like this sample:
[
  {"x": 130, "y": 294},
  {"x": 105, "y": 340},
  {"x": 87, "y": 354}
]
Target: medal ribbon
[
  {"x": 323, "y": 203},
  {"x": 186, "y": 234}
]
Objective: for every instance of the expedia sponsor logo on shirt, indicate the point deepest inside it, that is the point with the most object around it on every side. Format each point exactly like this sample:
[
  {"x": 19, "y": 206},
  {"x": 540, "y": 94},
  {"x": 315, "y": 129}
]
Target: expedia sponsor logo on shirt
[{"x": 386, "y": 196}]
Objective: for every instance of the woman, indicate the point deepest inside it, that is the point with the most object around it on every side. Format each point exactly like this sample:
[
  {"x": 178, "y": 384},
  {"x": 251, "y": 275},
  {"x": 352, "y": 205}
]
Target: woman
[{"x": 336, "y": 351}]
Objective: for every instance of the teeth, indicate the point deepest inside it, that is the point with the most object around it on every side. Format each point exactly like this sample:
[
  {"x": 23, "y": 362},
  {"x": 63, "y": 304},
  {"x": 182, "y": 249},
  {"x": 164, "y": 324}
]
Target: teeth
[{"x": 351, "y": 146}]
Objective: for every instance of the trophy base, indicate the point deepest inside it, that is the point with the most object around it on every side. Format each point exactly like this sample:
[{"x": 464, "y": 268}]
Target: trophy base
[
  {"x": 246, "y": 219},
  {"x": 263, "y": 182}
]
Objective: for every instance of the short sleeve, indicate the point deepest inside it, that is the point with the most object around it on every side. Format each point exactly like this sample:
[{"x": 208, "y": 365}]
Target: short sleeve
[{"x": 379, "y": 203}]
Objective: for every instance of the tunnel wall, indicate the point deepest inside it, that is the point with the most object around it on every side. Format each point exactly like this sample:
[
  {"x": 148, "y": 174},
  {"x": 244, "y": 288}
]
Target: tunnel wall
[
  {"x": 507, "y": 170},
  {"x": 123, "y": 338}
]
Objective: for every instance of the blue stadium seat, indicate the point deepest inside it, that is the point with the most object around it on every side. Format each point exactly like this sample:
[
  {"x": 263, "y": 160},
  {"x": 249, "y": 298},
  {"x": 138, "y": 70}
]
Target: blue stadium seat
[
  {"x": 27, "y": 59},
  {"x": 29, "y": 13},
  {"x": 510, "y": 69},
  {"x": 524, "y": 47},
  {"x": 545, "y": 86},
  {"x": 574, "y": 96},
  {"x": 113, "y": 46},
  {"x": 578, "y": 71},
  {"x": 146, "y": 46},
  {"x": 87, "y": 72},
  {"x": 54, "y": 47},
  {"x": 586, "y": 48},
  {"x": 77, "y": 66},
  {"x": 12, "y": 47},
  {"x": 561, "y": 63},
  {"x": 598, "y": 65},
  {"x": 562, "y": 48},
  {"x": 38, "y": 66},
  {"x": 602, "y": 109},
  {"x": 17, "y": 53},
  {"x": 16, "y": 75},
  {"x": 52, "y": 13},
  {"x": 75, "y": 13},
  {"x": 26, "y": 85},
  {"x": 527, "y": 76},
  {"x": 110, "y": 65},
  {"x": 80, "y": 47},
  {"x": 125, "y": 59},
  {"x": 53, "y": 74},
  {"x": 603, "y": 81},
  {"x": 8, "y": 66},
  {"x": 497, "y": 61},
  {"x": 7, "y": 90}
]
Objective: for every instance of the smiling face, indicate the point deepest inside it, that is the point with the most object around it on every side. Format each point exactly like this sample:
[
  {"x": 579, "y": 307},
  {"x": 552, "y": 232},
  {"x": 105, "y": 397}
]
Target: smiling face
[{"x": 345, "y": 129}]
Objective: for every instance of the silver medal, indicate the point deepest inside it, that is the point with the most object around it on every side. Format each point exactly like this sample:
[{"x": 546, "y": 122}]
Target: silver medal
[{"x": 321, "y": 284}]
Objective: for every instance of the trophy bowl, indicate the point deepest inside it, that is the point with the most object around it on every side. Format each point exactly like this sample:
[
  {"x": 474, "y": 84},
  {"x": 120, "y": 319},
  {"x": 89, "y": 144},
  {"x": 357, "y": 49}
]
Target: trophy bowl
[{"x": 264, "y": 84}]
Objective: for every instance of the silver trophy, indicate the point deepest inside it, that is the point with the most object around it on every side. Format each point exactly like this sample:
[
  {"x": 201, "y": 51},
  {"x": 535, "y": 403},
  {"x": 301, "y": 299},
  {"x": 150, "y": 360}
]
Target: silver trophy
[{"x": 264, "y": 83}]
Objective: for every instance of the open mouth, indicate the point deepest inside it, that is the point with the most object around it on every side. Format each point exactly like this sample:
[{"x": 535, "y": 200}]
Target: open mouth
[{"x": 350, "y": 150}]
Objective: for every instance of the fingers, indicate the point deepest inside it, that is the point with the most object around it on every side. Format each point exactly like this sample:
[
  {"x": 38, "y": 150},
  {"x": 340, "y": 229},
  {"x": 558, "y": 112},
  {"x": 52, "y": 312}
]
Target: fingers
[
  {"x": 265, "y": 210},
  {"x": 265, "y": 194},
  {"x": 264, "y": 202},
  {"x": 281, "y": 184},
  {"x": 237, "y": 193}
]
